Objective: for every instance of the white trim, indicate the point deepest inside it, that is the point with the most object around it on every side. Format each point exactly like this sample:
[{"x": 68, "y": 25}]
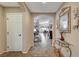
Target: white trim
[{"x": 24, "y": 52}]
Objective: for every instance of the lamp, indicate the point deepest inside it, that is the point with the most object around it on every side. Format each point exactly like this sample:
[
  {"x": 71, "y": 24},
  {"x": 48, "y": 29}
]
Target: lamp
[{"x": 44, "y": 2}]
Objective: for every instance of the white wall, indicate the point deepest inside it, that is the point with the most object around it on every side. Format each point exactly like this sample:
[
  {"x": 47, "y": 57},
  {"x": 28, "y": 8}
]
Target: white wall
[{"x": 73, "y": 37}]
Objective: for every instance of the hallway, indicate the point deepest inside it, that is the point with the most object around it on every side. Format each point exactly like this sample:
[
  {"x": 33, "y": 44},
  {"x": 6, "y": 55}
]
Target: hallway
[
  {"x": 42, "y": 26},
  {"x": 44, "y": 45},
  {"x": 35, "y": 29}
]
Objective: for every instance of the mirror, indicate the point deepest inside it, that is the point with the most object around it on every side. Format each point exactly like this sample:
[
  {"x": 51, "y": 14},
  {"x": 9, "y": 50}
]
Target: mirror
[{"x": 65, "y": 20}]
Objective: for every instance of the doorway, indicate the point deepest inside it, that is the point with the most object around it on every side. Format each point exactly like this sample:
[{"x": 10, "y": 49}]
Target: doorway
[
  {"x": 43, "y": 31},
  {"x": 14, "y": 31}
]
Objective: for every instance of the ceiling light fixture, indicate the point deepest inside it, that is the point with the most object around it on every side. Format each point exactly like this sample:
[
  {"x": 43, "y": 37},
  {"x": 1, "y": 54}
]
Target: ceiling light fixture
[{"x": 44, "y": 2}]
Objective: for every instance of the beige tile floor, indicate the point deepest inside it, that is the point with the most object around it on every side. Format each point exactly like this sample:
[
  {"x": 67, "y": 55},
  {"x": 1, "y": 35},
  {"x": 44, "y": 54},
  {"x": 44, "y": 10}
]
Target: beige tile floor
[
  {"x": 36, "y": 51},
  {"x": 32, "y": 53},
  {"x": 40, "y": 49}
]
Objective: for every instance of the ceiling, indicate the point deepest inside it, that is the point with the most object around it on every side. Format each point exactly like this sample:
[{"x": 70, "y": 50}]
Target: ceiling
[
  {"x": 9, "y": 4},
  {"x": 36, "y": 7},
  {"x": 39, "y": 7},
  {"x": 43, "y": 18}
]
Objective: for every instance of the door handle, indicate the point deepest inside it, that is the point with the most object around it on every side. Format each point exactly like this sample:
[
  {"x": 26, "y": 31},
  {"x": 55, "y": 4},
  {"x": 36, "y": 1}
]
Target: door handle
[
  {"x": 7, "y": 32},
  {"x": 19, "y": 35},
  {"x": 7, "y": 46}
]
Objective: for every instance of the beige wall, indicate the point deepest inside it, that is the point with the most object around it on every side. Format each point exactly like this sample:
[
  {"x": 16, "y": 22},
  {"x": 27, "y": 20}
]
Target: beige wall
[
  {"x": 2, "y": 31},
  {"x": 73, "y": 37},
  {"x": 26, "y": 26},
  {"x": 27, "y": 29},
  {"x": 13, "y": 9}
]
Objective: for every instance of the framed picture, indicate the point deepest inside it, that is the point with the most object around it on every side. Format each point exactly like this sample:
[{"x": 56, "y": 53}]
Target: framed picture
[{"x": 65, "y": 20}]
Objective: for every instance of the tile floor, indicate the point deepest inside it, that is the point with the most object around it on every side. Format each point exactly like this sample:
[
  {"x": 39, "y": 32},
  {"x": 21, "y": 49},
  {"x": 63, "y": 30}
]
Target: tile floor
[{"x": 40, "y": 49}]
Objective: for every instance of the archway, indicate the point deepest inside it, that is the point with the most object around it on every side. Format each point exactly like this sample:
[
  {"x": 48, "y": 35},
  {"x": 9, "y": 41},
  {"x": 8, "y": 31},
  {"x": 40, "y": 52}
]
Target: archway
[{"x": 43, "y": 30}]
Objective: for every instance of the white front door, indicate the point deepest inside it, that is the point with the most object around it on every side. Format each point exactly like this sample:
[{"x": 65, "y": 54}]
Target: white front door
[{"x": 14, "y": 31}]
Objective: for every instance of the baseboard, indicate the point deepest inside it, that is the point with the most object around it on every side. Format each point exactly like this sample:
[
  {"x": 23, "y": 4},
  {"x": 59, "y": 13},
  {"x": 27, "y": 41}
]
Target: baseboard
[{"x": 24, "y": 52}]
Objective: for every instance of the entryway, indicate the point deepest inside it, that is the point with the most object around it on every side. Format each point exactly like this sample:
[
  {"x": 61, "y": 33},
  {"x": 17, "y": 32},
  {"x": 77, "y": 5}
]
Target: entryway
[{"x": 43, "y": 30}]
